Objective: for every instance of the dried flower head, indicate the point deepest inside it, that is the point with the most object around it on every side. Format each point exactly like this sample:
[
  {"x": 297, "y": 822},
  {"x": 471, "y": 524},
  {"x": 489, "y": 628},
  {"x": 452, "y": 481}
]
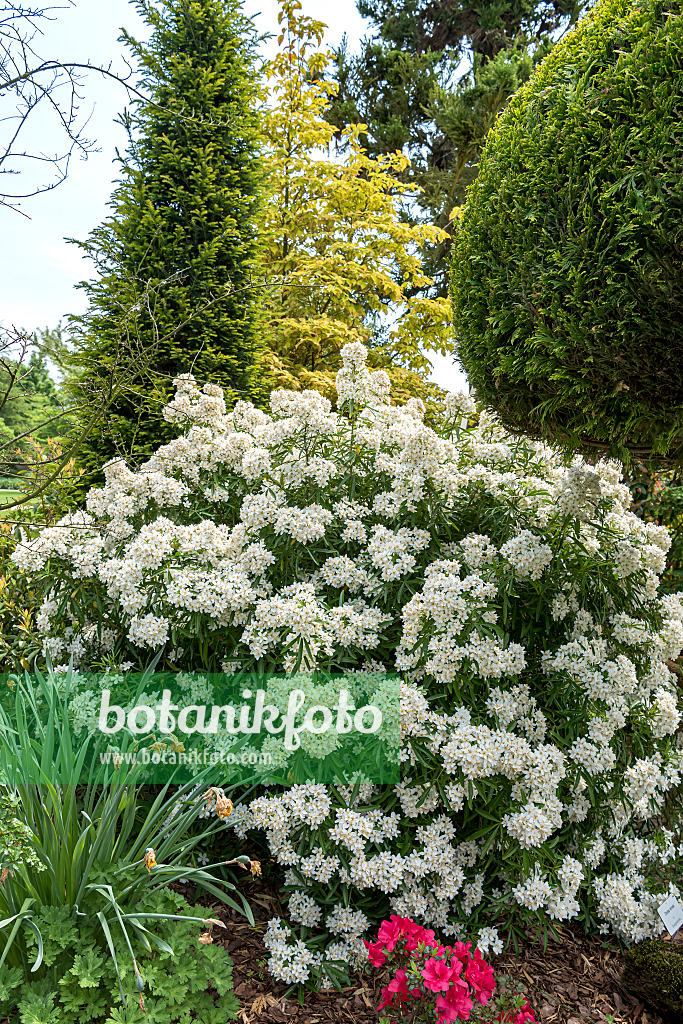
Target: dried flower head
[
  {"x": 211, "y": 921},
  {"x": 223, "y": 807}
]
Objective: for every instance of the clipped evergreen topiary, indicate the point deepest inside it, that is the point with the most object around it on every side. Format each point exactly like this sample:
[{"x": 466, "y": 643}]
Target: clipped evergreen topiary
[
  {"x": 654, "y": 973},
  {"x": 175, "y": 258},
  {"x": 567, "y": 280}
]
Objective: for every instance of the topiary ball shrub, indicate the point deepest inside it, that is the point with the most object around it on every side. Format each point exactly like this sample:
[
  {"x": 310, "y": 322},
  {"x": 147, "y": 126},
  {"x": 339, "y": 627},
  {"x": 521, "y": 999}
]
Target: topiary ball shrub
[
  {"x": 567, "y": 278},
  {"x": 654, "y": 972}
]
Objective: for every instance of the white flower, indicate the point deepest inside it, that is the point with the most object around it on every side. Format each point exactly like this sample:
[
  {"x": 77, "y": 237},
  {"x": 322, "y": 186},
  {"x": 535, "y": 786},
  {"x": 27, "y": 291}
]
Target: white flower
[
  {"x": 148, "y": 631},
  {"x": 528, "y": 554},
  {"x": 489, "y": 942},
  {"x": 535, "y": 734},
  {"x": 530, "y": 826},
  {"x": 304, "y": 910}
]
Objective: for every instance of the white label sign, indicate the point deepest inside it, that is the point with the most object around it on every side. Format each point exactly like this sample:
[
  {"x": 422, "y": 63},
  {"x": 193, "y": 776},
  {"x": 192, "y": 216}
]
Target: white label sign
[{"x": 671, "y": 913}]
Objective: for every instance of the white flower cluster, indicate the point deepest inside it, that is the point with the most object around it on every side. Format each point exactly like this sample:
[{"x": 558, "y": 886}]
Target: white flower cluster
[
  {"x": 489, "y": 942},
  {"x": 445, "y": 614},
  {"x": 528, "y": 555},
  {"x": 629, "y": 907},
  {"x": 290, "y": 958},
  {"x": 355, "y": 383},
  {"x": 516, "y": 592}
]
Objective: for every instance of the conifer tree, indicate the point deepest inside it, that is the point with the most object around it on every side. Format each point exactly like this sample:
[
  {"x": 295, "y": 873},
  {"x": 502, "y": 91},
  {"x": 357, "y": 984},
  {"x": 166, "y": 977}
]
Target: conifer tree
[
  {"x": 340, "y": 263},
  {"x": 430, "y": 80},
  {"x": 175, "y": 257}
]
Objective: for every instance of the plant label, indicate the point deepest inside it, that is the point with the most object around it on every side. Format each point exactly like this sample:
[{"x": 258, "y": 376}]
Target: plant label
[{"x": 671, "y": 913}]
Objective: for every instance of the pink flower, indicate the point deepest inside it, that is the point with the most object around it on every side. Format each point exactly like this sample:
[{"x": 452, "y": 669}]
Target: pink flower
[
  {"x": 456, "y": 975},
  {"x": 397, "y": 987},
  {"x": 462, "y": 950},
  {"x": 389, "y": 933},
  {"x": 418, "y": 935},
  {"x": 437, "y": 974},
  {"x": 454, "y": 1005},
  {"x": 525, "y": 1014},
  {"x": 480, "y": 976},
  {"x": 375, "y": 953}
]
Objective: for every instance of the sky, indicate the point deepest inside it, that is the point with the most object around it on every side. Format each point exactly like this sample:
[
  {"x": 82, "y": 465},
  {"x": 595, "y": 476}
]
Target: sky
[{"x": 38, "y": 267}]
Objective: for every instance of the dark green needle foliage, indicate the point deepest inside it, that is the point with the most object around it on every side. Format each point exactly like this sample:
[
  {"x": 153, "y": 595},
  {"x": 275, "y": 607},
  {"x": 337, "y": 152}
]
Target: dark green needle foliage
[
  {"x": 568, "y": 268},
  {"x": 175, "y": 257},
  {"x": 483, "y": 26},
  {"x": 431, "y": 78}
]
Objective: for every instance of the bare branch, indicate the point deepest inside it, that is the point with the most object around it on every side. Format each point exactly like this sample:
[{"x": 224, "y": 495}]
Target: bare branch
[
  {"x": 85, "y": 406},
  {"x": 27, "y": 80}
]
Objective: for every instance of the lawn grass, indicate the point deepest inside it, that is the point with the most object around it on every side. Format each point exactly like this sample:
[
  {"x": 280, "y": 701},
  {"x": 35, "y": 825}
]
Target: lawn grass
[{"x": 8, "y": 495}]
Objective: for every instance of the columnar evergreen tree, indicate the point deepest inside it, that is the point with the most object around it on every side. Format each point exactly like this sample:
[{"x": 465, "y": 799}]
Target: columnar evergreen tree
[
  {"x": 430, "y": 81},
  {"x": 174, "y": 259}
]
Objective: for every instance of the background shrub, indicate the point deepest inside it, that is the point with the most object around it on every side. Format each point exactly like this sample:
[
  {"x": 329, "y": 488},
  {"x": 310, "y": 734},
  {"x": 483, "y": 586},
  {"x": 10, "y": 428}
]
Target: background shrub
[
  {"x": 658, "y": 497},
  {"x": 567, "y": 287}
]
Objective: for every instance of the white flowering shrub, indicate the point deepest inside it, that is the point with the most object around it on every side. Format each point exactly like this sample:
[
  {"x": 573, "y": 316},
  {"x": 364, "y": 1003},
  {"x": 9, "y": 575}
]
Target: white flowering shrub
[{"x": 516, "y": 594}]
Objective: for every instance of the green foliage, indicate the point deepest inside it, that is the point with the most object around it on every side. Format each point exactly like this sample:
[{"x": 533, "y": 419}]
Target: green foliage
[
  {"x": 183, "y": 980},
  {"x": 483, "y": 27},
  {"x": 658, "y": 498},
  {"x": 430, "y": 81},
  {"x": 15, "y": 835},
  {"x": 566, "y": 272},
  {"x": 341, "y": 261},
  {"x": 52, "y": 344},
  {"x": 654, "y": 972},
  {"x": 28, "y": 399},
  {"x": 174, "y": 259},
  {"x": 35, "y": 419},
  {"x": 93, "y": 852}
]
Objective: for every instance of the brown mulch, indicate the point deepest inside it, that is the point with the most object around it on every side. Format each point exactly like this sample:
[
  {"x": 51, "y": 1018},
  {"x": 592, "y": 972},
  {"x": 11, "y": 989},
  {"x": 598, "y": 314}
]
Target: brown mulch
[{"x": 573, "y": 981}]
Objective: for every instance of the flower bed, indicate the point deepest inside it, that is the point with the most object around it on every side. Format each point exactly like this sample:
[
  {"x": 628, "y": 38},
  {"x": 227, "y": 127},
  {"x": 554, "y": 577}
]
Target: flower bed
[
  {"x": 516, "y": 594},
  {"x": 575, "y": 978}
]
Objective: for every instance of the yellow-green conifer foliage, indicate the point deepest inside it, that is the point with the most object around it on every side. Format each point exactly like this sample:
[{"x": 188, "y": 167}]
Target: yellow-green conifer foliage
[{"x": 341, "y": 265}]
